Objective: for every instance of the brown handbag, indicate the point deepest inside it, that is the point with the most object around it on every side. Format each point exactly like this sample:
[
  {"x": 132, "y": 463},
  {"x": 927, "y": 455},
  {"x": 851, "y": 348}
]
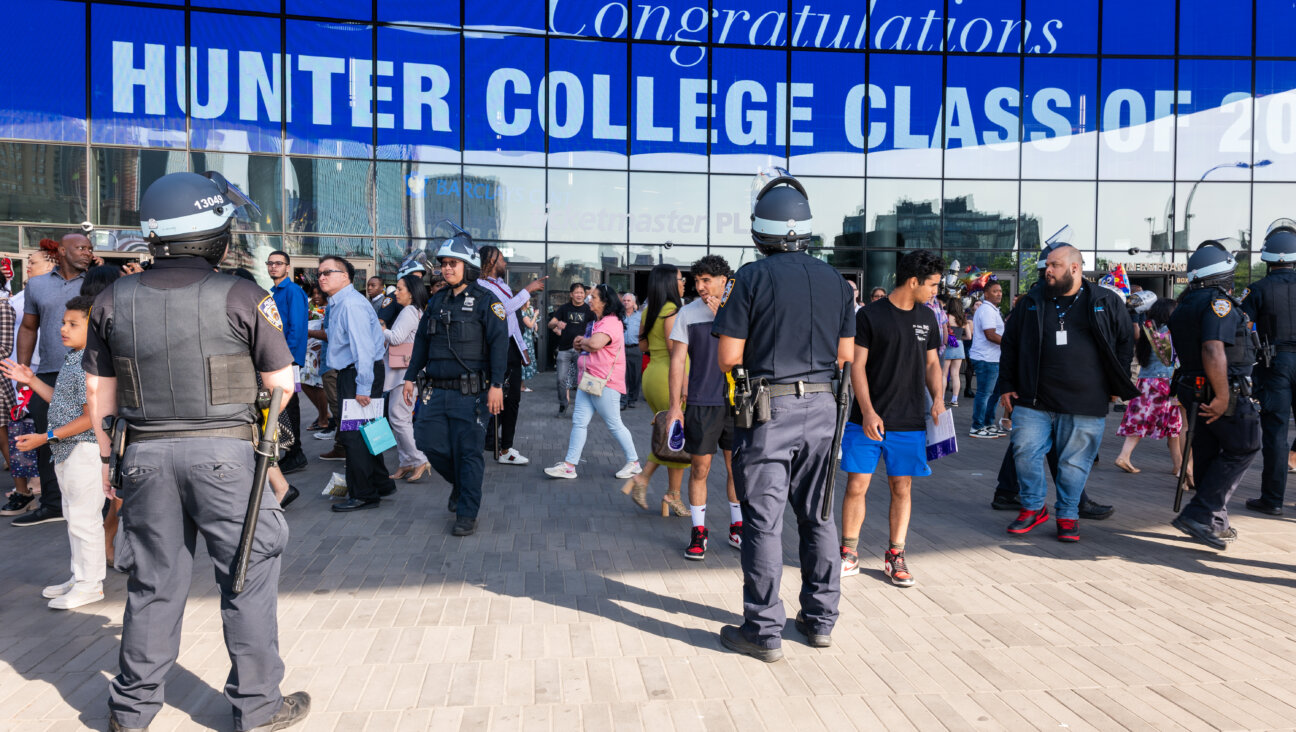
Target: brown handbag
[{"x": 661, "y": 441}]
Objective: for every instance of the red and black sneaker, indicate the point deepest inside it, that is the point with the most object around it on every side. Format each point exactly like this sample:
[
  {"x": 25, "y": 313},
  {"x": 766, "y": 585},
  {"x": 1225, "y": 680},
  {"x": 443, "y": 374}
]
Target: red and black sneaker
[
  {"x": 1068, "y": 530},
  {"x": 893, "y": 564},
  {"x": 697, "y": 547},
  {"x": 1027, "y": 520},
  {"x": 735, "y": 535}
]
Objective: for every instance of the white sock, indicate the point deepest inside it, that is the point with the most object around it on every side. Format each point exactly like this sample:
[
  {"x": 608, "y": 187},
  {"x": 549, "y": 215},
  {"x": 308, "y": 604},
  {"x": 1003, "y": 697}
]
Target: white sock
[
  {"x": 699, "y": 514},
  {"x": 735, "y": 513}
]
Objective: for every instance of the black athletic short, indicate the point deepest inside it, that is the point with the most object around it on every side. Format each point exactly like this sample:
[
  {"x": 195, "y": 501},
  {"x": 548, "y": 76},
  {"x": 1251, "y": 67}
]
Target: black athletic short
[{"x": 706, "y": 428}]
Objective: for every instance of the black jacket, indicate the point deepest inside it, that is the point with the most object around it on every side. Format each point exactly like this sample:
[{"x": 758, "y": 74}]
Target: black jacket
[{"x": 1019, "y": 360}]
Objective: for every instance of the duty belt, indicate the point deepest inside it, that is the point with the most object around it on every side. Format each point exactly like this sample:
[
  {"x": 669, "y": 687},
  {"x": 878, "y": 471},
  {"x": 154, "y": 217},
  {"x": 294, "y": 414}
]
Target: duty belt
[
  {"x": 242, "y": 432},
  {"x": 798, "y": 388}
]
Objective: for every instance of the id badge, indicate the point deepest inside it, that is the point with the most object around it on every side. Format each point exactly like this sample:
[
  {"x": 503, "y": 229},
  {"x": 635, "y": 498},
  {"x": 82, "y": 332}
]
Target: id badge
[{"x": 1060, "y": 338}]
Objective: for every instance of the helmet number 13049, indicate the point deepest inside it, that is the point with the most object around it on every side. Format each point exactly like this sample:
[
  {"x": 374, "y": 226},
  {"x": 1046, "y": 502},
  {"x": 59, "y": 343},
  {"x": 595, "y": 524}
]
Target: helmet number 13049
[{"x": 208, "y": 202}]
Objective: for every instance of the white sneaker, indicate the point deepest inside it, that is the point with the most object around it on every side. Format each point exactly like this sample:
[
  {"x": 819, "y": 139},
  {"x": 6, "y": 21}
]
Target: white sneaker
[
  {"x": 513, "y": 457},
  {"x": 54, "y": 591},
  {"x": 323, "y": 435},
  {"x": 629, "y": 470},
  {"x": 561, "y": 470},
  {"x": 78, "y": 596}
]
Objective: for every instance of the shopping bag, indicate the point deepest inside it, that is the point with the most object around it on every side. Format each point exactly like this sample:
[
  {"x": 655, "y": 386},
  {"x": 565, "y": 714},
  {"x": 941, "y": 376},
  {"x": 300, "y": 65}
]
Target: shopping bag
[
  {"x": 378, "y": 436},
  {"x": 336, "y": 486},
  {"x": 941, "y": 438}
]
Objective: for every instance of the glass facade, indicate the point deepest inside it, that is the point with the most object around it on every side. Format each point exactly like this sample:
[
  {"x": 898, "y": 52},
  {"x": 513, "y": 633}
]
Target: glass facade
[{"x": 584, "y": 136}]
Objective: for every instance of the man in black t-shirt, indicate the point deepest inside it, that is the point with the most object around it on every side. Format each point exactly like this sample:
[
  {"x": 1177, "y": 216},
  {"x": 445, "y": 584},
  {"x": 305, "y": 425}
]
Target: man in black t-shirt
[
  {"x": 896, "y": 375},
  {"x": 567, "y": 323}
]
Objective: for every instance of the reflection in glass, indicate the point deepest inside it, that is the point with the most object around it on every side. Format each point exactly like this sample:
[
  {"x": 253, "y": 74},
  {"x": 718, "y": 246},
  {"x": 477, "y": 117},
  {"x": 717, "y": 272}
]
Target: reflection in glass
[
  {"x": 357, "y": 250},
  {"x": 1268, "y": 203},
  {"x": 44, "y": 183},
  {"x": 668, "y": 207},
  {"x": 259, "y": 176},
  {"x": 1214, "y": 125},
  {"x": 1212, "y": 210},
  {"x": 684, "y": 257},
  {"x": 584, "y": 263},
  {"x": 506, "y": 203},
  {"x": 1136, "y": 218},
  {"x": 1275, "y": 119},
  {"x": 730, "y": 220},
  {"x": 838, "y": 209},
  {"x": 413, "y": 197},
  {"x": 121, "y": 177},
  {"x": 249, "y": 250},
  {"x": 334, "y": 196},
  {"x": 1046, "y": 207},
  {"x": 587, "y": 206},
  {"x": 736, "y": 256},
  {"x": 980, "y": 214},
  {"x": 1137, "y": 122},
  {"x": 903, "y": 214}
]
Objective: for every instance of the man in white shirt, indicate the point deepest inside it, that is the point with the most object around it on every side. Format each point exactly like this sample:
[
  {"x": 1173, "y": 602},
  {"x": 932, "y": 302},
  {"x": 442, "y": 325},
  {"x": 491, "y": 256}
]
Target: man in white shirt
[
  {"x": 494, "y": 277},
  {"x": 987, "y": 333}
]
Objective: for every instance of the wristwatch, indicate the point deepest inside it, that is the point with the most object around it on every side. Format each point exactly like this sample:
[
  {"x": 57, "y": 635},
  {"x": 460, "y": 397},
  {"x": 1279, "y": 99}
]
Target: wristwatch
[
  {"x": 496, "y": 386},
  {"x": 50, "y": 437},
  {"x": 105, "y": 459}
]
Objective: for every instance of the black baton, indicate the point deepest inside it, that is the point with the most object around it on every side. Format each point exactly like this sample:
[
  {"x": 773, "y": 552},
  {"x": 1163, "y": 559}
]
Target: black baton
[
  {"x": 843, "y": 397},
  {"x": 267, "y": 451},
  {"x": 1187, "y": 444}
]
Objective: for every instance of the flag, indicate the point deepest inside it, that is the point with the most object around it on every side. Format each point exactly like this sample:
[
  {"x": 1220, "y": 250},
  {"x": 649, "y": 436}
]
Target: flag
[{"x": 1116, "y": 280}]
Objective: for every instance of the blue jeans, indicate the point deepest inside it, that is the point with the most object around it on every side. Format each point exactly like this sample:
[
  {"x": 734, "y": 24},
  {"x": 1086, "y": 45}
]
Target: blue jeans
[
  {"x": 987, "y": 393},
  {"x": 608, "y": 406},
  {"x": 1078, "y": 439}
]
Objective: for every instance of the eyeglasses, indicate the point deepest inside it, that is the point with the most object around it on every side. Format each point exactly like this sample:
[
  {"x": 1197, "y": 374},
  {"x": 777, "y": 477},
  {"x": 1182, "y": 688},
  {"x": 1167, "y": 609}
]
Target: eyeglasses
[
  {"x": 275, "y": 263},
  {"x": 327, "y": 272}
]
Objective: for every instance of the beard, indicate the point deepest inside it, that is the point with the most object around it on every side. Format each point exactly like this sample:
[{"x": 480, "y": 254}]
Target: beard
[{"x": 1061, "y": 286}]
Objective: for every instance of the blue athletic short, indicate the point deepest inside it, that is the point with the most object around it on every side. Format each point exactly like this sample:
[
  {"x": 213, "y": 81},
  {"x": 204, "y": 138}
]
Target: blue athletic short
[{"x": 905, "y": 453}]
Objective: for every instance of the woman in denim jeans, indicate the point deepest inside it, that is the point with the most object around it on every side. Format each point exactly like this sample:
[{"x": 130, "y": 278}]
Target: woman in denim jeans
[{"x": 602, "y": 355}]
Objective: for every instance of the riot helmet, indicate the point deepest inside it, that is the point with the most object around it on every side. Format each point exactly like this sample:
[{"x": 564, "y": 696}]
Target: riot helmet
[
  {"x": 188, "y": 215},
  {"x": 1211, "y": 265},
  {"x": 781, "y": 220},
  {"x": 1141, "y": 301},
  {"x": 1280, "y": 243},
  {"x": 455, "y": 243}
]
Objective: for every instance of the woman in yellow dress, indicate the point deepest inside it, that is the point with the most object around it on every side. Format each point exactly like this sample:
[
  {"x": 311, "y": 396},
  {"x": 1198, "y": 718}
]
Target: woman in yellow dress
[{"x": 665, "y": 288}]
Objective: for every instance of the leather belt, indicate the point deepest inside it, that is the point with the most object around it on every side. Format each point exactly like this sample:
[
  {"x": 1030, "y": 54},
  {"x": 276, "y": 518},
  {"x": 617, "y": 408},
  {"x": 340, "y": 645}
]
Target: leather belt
[
  {"x": 243, "y": 432},
  {"x": 798, "y": 388}
]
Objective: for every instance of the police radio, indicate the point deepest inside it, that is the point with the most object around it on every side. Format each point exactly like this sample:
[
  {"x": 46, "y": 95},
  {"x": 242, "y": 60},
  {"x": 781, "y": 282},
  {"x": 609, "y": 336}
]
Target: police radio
[{"x": 740, "y": 397}]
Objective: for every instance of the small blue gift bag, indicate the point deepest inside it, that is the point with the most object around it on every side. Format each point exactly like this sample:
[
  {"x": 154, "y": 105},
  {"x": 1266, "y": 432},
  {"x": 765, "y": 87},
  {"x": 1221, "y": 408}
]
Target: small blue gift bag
[{"x": 378, "y": 436}]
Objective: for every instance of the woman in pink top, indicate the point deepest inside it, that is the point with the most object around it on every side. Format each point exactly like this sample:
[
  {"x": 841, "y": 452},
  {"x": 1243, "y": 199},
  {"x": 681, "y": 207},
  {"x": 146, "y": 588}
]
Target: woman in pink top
[{"x": 602, "y": 355}]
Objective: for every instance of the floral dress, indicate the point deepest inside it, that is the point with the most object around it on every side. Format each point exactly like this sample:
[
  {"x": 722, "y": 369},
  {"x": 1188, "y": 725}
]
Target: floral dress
[
  {"x": 310, "y": 371},
  {"x": 1154, "y": 413}
]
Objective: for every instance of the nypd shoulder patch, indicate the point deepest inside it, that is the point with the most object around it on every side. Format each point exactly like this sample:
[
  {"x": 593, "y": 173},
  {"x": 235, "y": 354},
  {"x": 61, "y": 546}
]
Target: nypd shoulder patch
[
  {"x": 498, "y": 309},
  {"x": 1245, "y": 292},
  {"x": 728, "y": 290},
  {"x": 1222, "y": 307},
  {"x": 385, "y": 302},
  {"x": 270, "y": 312}
]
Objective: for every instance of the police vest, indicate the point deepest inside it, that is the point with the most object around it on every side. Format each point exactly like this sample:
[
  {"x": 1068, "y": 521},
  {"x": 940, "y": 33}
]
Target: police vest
[
  {"x": 1277, "y": 316},
  {"x": 455, "y": 328},
  {"x": 178, "y": 360},
  {"x": 1242, "y": 353}
]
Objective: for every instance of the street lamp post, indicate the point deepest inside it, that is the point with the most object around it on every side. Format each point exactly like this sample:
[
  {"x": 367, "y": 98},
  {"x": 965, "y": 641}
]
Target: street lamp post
[{"x": 1192, "y": 191}]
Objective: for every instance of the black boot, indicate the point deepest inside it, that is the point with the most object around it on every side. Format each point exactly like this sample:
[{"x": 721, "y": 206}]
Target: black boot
[{"x": 1094, "y": 511}]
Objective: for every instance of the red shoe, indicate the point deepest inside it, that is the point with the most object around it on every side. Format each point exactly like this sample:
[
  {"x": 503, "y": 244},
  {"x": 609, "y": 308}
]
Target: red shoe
[
  {"x": 735, "y": 535},
  {"x": 1068, "y": 530},
  {"x": 697, "y": 547},
  {"x": 1027, "y": 520}
]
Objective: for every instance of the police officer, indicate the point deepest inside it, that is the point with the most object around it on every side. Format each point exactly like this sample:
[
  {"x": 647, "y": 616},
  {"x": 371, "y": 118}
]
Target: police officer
[
  {"x": 1271, "y": 304},
  {"x": 794, "y": 346},
  {"x": 173, "y": 353},
  {"x": 461, "y": 349},
  {"x": 1217, "y": 347}
]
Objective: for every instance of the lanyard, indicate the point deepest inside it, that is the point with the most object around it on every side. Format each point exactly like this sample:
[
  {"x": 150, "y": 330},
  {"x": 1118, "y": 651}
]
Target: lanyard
[{"x": 1063, "y": 313}]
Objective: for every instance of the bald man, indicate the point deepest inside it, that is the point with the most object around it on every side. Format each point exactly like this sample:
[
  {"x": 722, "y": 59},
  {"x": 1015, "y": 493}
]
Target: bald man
[
  {"x": 1059, "y": 336},
  {"x": 47, "y": 295}
]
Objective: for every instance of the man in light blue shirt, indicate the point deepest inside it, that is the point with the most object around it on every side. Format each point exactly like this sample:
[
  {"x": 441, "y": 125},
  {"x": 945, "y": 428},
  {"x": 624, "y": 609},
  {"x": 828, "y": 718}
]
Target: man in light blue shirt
[{"x": 355, "y": 349}]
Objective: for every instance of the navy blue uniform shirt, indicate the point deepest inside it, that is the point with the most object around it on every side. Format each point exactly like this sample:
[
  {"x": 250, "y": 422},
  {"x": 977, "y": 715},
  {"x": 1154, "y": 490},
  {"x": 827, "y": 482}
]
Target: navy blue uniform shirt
[
  {"x": 1271, "y": 303},
  {"x": 1206, "y": 314},
  {"x": 477, "y": 333},
  {"x": 792, "y": 310}
]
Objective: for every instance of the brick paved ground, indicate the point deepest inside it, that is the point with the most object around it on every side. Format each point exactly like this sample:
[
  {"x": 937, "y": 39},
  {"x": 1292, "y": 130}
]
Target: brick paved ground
[{"x": 569, "y": 609}]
